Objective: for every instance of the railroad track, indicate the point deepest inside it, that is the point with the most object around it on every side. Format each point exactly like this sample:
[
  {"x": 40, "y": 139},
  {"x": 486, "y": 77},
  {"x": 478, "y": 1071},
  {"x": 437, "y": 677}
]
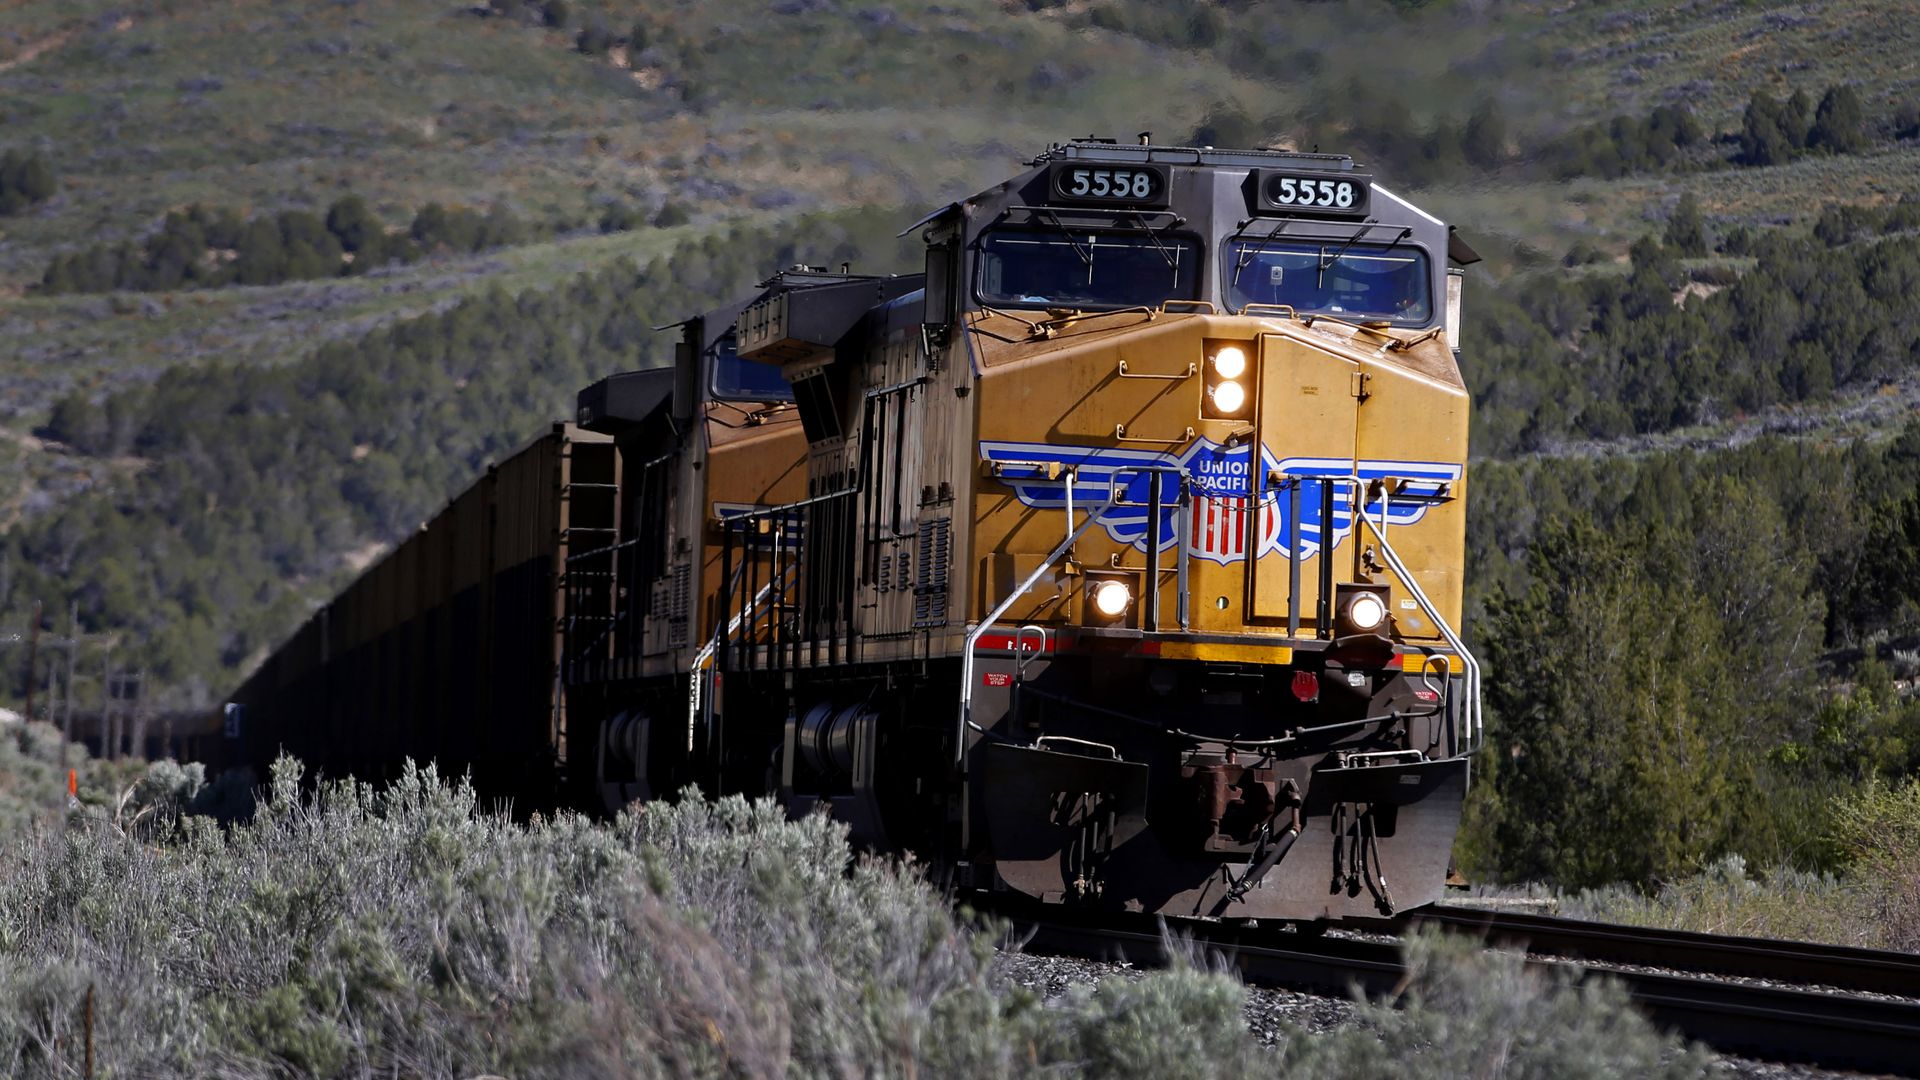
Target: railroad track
[
  {"x": 1836, "y": 966},
  {"x": 1776, "y": 1023}
]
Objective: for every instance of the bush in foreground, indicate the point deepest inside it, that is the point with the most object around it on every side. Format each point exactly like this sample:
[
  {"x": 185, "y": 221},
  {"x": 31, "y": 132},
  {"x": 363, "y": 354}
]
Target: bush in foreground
[{"x": 362, "y": 933}]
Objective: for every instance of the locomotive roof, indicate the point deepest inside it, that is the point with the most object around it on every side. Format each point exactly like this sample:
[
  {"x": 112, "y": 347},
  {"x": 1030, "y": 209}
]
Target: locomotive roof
[{"x": 1108, "y": 150}]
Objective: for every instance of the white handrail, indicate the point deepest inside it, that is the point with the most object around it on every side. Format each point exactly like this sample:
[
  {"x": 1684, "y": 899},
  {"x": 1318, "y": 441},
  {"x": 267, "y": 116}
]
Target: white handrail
[
  {"x": 1475, "y": 720},
  {"x": 705, "y": 656}
]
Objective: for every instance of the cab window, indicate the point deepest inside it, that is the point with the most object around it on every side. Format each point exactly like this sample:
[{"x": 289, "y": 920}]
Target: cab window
[
  {"x": 1352, "y": 281},
  {"x": 1062, "y": 268},
  {"x": 735, "y": 379}
]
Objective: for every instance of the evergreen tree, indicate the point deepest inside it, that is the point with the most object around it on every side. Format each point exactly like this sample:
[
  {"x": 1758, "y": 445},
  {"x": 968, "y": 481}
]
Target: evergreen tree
[
  {"x": 262, "y": 258},
  {"x": 25, "y": 179},
  {"x": 1620, "y": 745},
  {"x": 1837, "y": 124},
  {"x": 1906, "y": 121},
  {"x": 1485, "y": 140},
  {"x": 594, "y": 39},
  {"x": 353, "y": 224},
  {"x": 1797, "y": 119},
  {"x": 1764, "y": 132},
  {"x": 1686, "y": 231},
  {"x": 35, "y": 179}
]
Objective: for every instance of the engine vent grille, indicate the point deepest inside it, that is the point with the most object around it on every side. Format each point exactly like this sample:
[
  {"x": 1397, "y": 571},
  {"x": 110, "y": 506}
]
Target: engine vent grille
[
  {"x": 930, "y": 573},
  {"x": 678, "y": 601}
]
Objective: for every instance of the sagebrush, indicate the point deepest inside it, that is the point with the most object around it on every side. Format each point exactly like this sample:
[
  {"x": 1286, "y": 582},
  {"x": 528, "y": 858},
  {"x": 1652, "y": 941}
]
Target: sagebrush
[{"x": 355, "y": 932}]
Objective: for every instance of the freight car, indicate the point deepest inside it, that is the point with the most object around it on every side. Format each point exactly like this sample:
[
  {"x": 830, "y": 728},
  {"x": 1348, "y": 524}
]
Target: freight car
[
  {"x": 1115, "y": 559},
  {"x": 448, "y": 649}
]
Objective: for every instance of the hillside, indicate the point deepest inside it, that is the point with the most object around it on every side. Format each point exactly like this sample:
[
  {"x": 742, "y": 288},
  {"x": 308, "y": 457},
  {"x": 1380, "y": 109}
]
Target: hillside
[{"x": 195, "y": 462}]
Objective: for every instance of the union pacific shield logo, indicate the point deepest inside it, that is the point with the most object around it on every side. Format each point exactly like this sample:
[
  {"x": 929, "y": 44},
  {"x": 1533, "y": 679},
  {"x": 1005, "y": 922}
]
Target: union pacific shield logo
[{"x": 1222, "y": 518}]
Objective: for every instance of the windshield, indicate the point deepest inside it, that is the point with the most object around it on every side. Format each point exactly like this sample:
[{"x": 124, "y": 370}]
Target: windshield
[
  {"x": 735, "y": 379},
  {"x": 1361, "y": 281},
  {"x": 1022, "y": 268}
]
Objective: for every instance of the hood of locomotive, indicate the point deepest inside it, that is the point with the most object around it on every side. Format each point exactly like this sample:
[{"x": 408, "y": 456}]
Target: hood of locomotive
[{"x": 1112, "y": 404}]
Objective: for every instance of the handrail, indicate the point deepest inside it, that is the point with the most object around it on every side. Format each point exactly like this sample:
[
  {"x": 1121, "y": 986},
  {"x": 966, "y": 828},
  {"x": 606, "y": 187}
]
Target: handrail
[
  {"x": 1194, "y": 306},
  {"x": 1120, "y": 435},
  {"x": 1192, "y": 370},
  {"x": 1475, "y": 718},
  {"x": 1276, "y": 309},
  {"x": 973, "y": 637},
  {"x": 705, "y": 656}
]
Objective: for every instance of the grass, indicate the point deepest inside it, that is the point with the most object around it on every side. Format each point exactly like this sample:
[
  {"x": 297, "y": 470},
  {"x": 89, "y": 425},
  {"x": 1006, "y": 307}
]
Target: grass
[
  {"x": 1875, "y": 904},
  {"x": 360, "y": 933}
]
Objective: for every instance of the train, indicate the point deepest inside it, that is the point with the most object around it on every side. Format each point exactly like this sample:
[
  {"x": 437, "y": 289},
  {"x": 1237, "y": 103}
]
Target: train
[{"x": 1113, "y": 559}]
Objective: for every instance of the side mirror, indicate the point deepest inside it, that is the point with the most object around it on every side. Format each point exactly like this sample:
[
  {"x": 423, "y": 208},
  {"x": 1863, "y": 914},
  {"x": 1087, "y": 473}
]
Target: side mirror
[
  {"x": 940, "y": 298},
  {"x": 1456, "y": 279}
]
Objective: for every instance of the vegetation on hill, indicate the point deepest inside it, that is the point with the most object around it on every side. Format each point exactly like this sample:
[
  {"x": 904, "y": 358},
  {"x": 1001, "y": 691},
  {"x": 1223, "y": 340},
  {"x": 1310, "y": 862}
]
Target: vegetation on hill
[
  {"x": 1693, "y": 655},
  {"x": 205, "y": 248},
  {"x": 1777, "y": 318},
  {"x": 265, "y": 476},
  {"x": 1695, "y": 222}
]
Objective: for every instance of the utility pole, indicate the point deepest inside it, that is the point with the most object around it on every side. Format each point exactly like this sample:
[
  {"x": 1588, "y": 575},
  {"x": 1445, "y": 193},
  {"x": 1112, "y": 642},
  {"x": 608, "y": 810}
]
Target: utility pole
[
  {"x": 33, "y": 658},
  {"x": 137, "y": 746},
  {"x": 73, "y": 646},
  {"x": 106, "y": 705}
]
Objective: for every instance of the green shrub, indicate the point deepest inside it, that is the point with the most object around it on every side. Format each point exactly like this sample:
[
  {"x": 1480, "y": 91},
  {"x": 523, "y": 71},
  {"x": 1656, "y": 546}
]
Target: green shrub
[
  {"x": 1877, "y": 828},
  {"x": 1466, "y": 1011},
  {"x": 1727, "y": 898},
  {"x": 25, "y": 179}
]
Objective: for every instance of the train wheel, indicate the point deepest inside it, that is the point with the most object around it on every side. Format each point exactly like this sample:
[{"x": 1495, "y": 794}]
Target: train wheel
[{"x": 622, "y": 765}]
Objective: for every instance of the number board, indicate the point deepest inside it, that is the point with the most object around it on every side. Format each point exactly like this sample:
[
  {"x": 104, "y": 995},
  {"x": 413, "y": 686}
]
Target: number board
[
  {"x": 1336, "y": 194},
  {"x": 1109, "y": 185}
]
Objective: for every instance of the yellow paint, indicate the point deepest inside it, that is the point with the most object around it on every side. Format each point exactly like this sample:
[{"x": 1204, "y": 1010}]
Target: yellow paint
[
  {"x": 1220, "y": 650},
  {"x": 1413, "y": 663}
]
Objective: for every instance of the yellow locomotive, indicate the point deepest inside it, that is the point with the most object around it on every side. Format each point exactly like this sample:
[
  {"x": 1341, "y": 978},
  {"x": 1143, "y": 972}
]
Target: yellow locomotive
[{"x": 1114, "y": 560}]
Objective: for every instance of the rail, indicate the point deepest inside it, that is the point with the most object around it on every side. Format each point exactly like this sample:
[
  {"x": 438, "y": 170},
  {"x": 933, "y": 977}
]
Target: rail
[
  {"x": 1776, "y": 1023},
  {"x": 705, "y": 656},
  {"x": 1838, "y": 966},
  {"x": 1359, "y": 486}
]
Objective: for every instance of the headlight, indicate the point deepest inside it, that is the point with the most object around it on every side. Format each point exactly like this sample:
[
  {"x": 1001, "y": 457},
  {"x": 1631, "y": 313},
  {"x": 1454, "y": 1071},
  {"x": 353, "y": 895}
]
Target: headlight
[
  {"x": 1366, "y": 611},
  {"x": 1229, "y": 396},
  {"x": 1230, "y": 362},
  {"x": 1227, "y": 379},
  {"x": 1110, "y": 598}
]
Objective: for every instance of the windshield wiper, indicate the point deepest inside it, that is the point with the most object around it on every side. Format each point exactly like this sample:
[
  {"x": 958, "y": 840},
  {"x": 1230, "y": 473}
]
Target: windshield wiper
[
  {"x": 1085, "y": 256},
  {"x": 1247, "y": 253},
  {"x": 1165, "y": 252},
  {"x": 1320, "y": 279}
]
